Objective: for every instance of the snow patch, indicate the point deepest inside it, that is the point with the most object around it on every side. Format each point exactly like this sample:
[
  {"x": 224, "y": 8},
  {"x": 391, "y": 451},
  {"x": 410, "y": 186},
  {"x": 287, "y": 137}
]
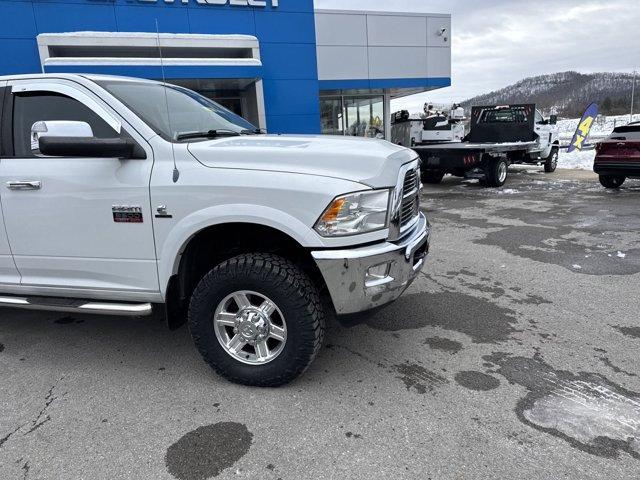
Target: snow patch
[{"x": 587, "y": 412}]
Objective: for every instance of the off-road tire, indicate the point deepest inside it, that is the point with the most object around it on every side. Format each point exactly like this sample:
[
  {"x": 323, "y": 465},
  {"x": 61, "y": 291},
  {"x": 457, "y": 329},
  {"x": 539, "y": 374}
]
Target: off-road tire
[
  {"x": 612, "y": 181},
  {"x": 431, "y": 177},
  {"x": 551, "y": 162},
  {"x": 295, "y": 295},
  {"x": 492, "y": 172}
]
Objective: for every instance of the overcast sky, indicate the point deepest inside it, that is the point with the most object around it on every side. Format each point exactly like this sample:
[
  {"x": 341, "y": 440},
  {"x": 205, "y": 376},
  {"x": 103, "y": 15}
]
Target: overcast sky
[{"x": 498, "y": 42}]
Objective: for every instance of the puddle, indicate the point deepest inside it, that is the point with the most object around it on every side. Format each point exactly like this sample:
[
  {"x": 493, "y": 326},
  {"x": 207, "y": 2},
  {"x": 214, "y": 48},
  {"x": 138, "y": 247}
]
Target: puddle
[
  {"x": 206, "y": 451},
  {"x": 418, "y": 378},
  {"x": 480, "y": 319},
  {"x": 444, "y": 344},
  {"x": 632, "y": 332},
  {"x": 478, "y": 381}
]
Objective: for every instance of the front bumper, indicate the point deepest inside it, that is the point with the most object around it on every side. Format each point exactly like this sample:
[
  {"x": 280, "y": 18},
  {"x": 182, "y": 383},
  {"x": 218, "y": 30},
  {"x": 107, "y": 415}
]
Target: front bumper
[{"x": 345, "y": 272}]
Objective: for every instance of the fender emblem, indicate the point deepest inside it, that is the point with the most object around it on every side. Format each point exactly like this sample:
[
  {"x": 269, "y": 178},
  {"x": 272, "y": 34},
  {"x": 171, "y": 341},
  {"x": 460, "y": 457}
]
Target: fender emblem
[
  {"x": 162, "y": 212},
  {"x": 127, "y": 214}
]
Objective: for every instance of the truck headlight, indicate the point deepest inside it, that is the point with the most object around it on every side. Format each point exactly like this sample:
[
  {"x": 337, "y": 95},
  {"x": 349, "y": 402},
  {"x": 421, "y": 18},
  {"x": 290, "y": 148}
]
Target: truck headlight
[{"x": 355, "y": 213}]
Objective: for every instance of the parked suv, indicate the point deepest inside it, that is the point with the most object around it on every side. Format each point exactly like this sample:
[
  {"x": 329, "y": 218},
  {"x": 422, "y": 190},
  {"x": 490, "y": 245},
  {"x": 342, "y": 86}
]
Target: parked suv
[
  {"x": 618, "y": 156},
  {"x": 124, "y": 195}
]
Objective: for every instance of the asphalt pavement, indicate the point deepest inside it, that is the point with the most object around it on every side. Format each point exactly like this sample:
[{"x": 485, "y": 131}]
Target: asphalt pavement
[{"x": 514, "y": 355}]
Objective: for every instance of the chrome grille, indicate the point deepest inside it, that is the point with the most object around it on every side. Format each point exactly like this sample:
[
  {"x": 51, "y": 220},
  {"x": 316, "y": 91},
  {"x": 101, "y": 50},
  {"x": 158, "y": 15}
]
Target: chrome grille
[{"x": 410, "y": 206}]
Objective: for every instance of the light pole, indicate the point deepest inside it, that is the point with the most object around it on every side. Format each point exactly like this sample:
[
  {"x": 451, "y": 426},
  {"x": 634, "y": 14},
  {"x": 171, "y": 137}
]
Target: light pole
[{"x": 633, "y": 92}]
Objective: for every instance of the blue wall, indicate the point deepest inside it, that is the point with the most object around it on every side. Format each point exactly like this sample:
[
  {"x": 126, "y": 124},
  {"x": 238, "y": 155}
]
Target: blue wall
[{"x": 287, "y": 42}]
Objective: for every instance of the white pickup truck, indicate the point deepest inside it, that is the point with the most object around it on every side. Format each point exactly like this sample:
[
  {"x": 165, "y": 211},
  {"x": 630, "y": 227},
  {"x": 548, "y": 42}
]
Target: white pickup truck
[{"x": 122, "y": 195}]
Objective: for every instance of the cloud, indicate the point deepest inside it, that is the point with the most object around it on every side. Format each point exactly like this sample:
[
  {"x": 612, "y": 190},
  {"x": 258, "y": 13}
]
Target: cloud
[{"x": 500, "y": 42}]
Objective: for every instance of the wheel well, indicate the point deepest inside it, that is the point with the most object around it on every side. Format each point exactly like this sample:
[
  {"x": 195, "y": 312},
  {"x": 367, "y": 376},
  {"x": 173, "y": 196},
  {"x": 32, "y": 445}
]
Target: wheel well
[{"x": 217, "y": 243}]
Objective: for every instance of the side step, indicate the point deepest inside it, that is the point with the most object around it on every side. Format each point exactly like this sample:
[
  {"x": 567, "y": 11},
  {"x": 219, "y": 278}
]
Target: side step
[{"x": 74, "y": 305}]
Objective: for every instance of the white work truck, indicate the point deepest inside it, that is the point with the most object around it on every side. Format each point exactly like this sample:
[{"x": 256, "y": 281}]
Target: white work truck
[
  {"x": 499, "y": 135},
  {"x": 123, "y": 196}
]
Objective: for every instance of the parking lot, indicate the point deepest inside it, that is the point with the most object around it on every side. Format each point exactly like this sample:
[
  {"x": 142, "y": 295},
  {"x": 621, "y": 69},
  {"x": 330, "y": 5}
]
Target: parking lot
[{"x": 514, "y": 355}]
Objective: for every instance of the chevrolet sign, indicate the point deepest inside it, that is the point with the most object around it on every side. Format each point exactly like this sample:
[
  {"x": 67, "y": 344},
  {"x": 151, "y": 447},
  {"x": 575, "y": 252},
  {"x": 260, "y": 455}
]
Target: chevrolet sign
[{"x": 237, "y": 3}]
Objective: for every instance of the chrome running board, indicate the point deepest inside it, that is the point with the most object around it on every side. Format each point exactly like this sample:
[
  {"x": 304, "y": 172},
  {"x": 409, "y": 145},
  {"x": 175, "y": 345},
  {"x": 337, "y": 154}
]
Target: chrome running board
[{"x": 74, "y": 305}]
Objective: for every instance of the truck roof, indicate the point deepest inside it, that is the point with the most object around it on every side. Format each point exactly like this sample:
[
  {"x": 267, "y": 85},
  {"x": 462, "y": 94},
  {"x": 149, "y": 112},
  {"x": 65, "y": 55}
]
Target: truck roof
[{"x": 73, "y": 76}]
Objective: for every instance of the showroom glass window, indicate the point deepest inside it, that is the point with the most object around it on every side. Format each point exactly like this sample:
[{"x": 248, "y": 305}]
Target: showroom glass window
[
  {"x": 353, "y": 115},
  {"x": 331, "y": 116},
  {"x": 364, "y": 116}
]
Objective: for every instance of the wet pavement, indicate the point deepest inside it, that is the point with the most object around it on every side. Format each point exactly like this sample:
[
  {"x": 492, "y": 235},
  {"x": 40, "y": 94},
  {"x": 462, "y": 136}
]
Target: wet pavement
[{"x": 514, "y": 355}]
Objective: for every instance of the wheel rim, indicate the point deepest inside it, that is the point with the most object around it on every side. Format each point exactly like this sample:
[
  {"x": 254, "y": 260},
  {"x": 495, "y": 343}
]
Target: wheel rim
[
  {"x": 502, "y": 172},
  {"x": 554, "y": 161},
  {"x": 250, "y": 327}
]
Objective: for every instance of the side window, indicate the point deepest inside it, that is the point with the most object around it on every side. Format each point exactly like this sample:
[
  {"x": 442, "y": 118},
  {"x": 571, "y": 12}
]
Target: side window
[
  {"x": 2, "y": 93},
  {"x": 29, "y": 108}
]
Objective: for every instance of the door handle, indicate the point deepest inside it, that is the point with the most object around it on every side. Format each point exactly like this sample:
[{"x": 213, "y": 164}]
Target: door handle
[{"x": 24, "y": 185}]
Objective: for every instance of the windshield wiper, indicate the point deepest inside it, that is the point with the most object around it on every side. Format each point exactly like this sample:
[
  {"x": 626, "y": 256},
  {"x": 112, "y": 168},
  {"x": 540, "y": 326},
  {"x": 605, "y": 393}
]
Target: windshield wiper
[
  {"x": 255, "y": 131},
  {"x": 207, "y": 134}
]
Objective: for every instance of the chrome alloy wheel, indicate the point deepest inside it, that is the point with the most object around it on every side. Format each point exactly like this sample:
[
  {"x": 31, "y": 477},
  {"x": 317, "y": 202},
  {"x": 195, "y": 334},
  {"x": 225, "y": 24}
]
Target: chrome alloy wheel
[
  {"x": 250, "y": 327},
  {"x": 502, "y": 172}
]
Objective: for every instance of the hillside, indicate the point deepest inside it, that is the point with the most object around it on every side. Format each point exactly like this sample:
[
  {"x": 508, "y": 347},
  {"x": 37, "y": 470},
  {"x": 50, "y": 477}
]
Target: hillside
[{"x": 568, "y": 92}]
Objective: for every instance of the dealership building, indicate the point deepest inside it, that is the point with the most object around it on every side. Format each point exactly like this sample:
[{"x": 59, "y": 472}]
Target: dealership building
[{"x": 281, "y": 64}]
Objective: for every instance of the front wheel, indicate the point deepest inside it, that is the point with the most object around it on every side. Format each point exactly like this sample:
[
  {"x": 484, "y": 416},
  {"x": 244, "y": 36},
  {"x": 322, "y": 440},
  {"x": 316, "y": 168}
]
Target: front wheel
[
  {"x": 495, "y": 172},
  {"x": 551, "y": 162},
  {"x": 612, "y": 181},
  {"x": 257, "y": 320}
]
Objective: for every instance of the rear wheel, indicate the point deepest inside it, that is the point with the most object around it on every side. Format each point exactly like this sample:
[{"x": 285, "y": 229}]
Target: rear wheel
[
  {"x": 612, "y": 181},
  {"x": 495, "y": 172},
  {"x": 431, "y": 176},
  {"x": 257, "y": 320},
  {"x": 551, "y": 162}
]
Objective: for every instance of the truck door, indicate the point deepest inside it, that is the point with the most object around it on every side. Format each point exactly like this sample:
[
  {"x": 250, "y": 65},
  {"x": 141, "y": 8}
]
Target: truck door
[
  {"x": 543, "y": 129},
  {"x": 8, "y": 272},
  {"x": 67, "y": 219}
]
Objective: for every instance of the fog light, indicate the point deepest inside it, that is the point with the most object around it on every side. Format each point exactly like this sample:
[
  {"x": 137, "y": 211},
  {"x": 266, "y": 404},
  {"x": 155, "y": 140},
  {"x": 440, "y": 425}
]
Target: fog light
[{"x": 378, "y": 275}]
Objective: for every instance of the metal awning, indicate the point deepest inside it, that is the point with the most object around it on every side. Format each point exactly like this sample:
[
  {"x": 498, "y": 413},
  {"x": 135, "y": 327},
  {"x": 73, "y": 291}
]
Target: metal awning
[{"x": 143, "y": 54}]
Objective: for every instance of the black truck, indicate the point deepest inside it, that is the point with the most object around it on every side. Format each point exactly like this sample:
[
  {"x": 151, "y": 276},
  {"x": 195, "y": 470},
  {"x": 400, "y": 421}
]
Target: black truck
[{"x": 498, "y": 136}]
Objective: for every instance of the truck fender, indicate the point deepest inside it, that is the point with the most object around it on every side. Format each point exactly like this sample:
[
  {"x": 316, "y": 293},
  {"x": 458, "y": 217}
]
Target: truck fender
[
  {"x": 178, "y": 238},
  {"x": 547, "y": 151}
]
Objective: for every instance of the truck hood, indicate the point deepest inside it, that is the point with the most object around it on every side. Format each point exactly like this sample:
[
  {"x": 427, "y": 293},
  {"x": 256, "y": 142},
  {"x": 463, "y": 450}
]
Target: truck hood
[{"x": 369, "y": 161}]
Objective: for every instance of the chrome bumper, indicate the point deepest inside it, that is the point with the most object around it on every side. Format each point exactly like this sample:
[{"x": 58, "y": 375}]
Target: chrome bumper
[{"x": 348, "y": 276}]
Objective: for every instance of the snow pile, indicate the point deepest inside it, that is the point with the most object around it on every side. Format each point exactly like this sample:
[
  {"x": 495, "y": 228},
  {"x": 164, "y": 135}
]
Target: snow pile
[
  {"x": 579, "y": 160},
  {"x": 600, "y": 130},
  {"x": 603, "y": 126}
]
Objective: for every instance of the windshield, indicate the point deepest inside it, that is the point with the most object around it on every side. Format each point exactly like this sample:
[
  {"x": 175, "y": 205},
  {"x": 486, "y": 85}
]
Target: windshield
[{"x": 177, "y": 112}]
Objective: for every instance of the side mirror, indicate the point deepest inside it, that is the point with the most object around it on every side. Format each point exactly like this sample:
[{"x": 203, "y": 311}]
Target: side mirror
[
  {"x": 92, "y": 147},
  {"x": 61, "y": 138},
  {"x": 553, "y": 119},
  {"x": 58, "y": 128}
]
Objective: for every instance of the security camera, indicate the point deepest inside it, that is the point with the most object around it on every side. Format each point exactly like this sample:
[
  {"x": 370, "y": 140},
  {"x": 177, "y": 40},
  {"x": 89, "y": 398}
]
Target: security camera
[{"x": 442, "y": 31}]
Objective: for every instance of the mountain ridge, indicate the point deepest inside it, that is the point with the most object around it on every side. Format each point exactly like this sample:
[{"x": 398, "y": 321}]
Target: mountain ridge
[{"x": 568, "y": 93}]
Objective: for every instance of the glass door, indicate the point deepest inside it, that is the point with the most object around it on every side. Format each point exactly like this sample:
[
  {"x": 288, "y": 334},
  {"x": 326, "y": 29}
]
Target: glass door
[{"x": 364, "y": 116}]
